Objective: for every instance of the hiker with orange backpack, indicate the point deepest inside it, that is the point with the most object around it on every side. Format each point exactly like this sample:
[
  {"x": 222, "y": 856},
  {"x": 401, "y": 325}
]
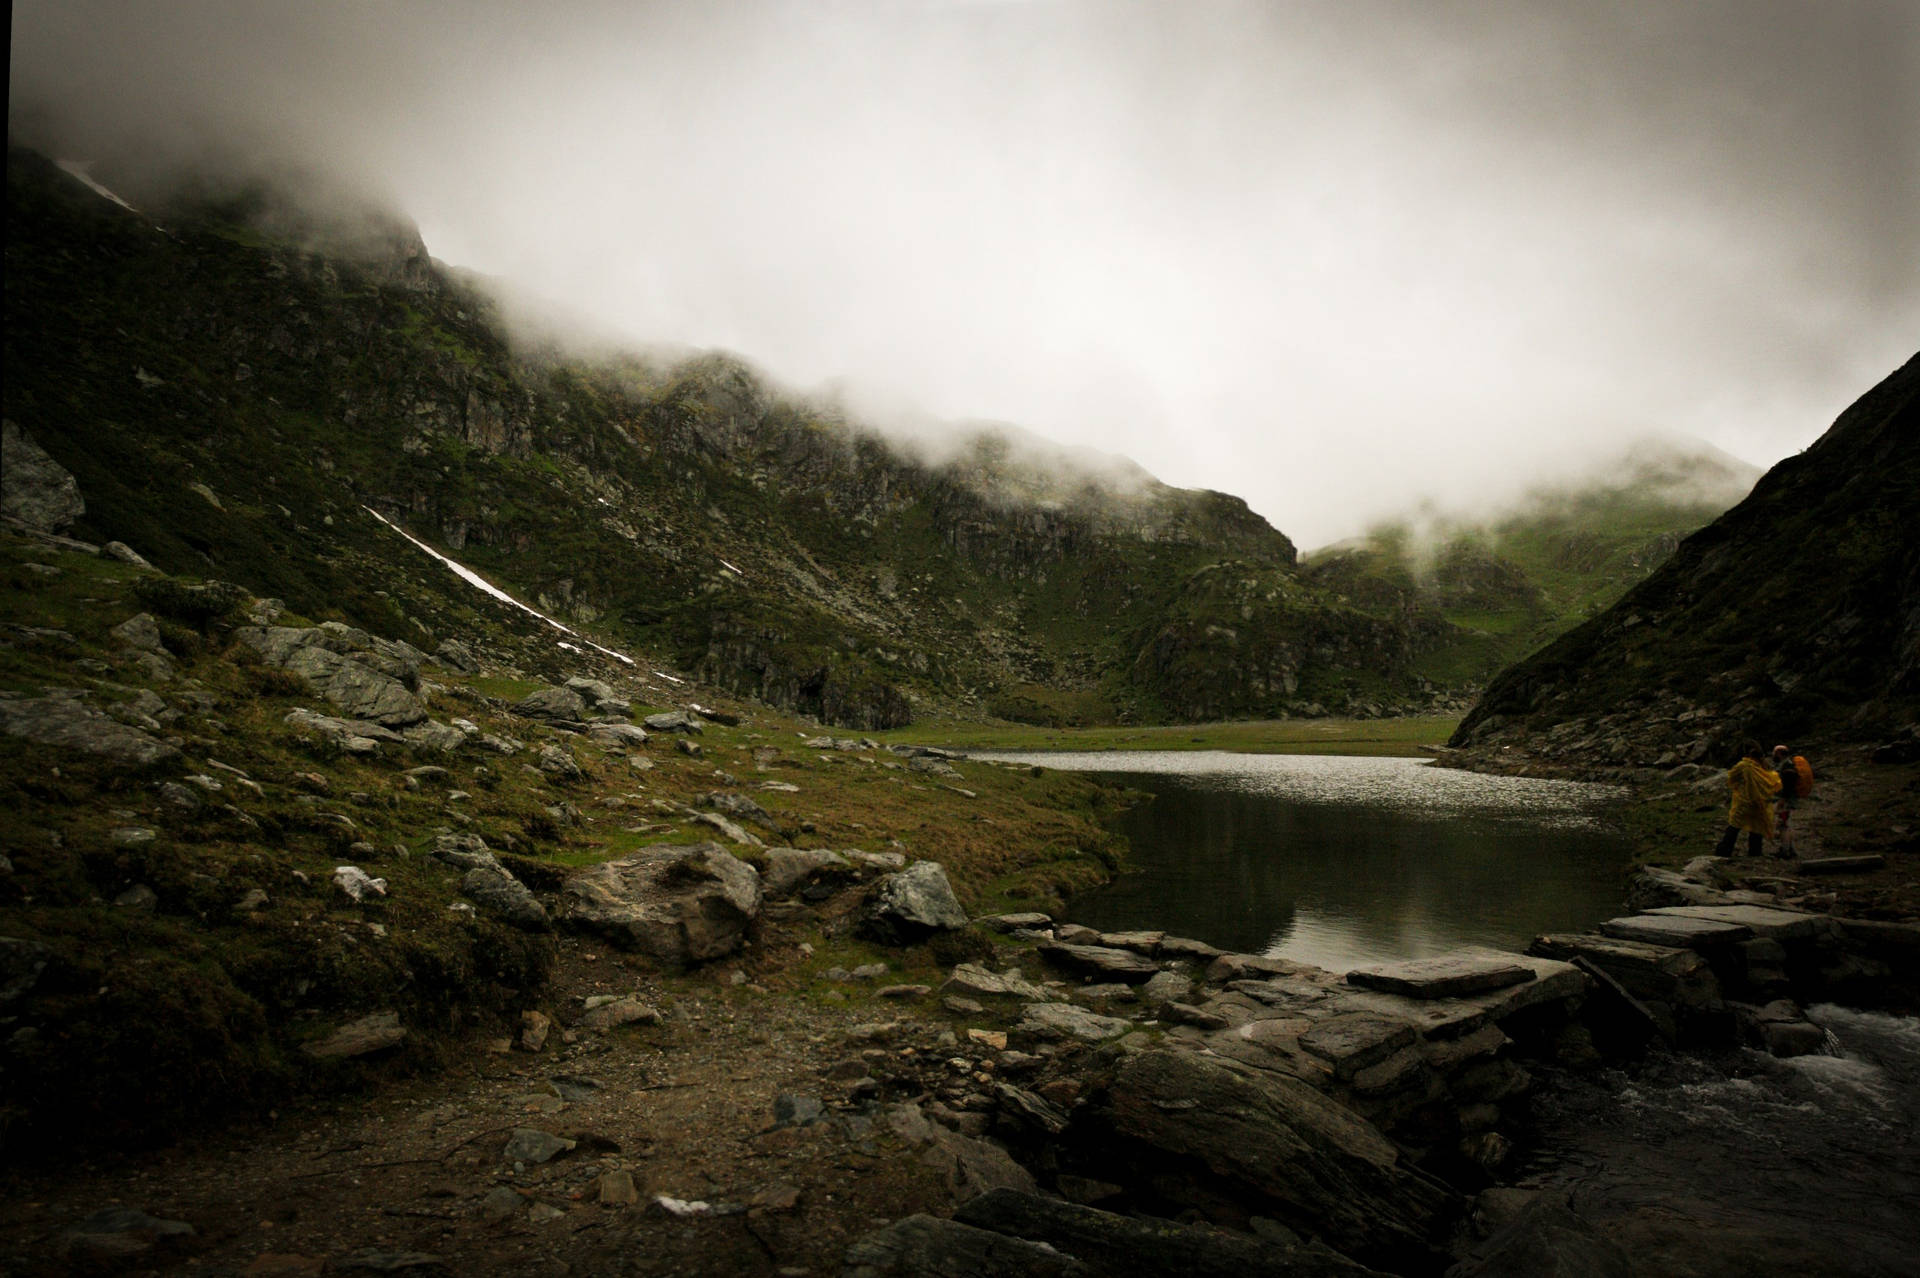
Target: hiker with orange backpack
[{"x": 1796, "y": 783}]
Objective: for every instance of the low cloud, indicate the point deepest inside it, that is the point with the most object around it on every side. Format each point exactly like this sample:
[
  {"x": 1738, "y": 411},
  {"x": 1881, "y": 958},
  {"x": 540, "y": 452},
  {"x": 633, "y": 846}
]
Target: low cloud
[{"x": 1328, "y": 256}]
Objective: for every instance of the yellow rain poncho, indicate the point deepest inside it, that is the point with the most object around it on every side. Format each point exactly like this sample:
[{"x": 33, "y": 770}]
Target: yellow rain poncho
[{"x": 1753, "y": 785}]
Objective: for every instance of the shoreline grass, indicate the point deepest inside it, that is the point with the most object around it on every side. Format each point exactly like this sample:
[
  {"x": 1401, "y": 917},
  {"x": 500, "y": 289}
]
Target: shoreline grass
[{"x": 1400, "y": 737}]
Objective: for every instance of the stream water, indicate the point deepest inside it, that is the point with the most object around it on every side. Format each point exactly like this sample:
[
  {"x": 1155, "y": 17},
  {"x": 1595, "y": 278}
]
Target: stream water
[{"x": 1340, "y": 861}]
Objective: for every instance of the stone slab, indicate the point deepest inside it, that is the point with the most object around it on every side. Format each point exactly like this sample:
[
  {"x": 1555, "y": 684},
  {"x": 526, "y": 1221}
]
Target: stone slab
[
  {"x": 1451, "y": 975},
  {"x": 1843, "y": 864},
  {"x": 1676, "y": 930},
  {"x": 1778, "y": 925},
  {"x": 1452, "y": 1017}
]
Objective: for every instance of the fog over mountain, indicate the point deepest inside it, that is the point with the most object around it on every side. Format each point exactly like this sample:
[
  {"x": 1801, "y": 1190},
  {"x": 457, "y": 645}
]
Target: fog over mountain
[{"x": 1331, "y": 257}]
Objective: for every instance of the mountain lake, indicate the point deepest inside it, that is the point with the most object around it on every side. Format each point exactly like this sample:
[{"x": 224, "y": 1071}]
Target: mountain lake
[{"x": 1340, "y": 861}]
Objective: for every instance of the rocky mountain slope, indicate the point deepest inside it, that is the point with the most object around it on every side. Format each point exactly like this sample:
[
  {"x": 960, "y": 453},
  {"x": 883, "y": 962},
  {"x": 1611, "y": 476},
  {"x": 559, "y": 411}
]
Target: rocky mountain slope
[
  {"x": 1508, "y": 583},
  {"x": 236, "y": 382},
  {"x": 1794, "y": 616}
]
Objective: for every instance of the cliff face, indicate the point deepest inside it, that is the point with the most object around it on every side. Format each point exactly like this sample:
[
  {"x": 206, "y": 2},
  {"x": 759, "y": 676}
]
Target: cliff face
[
  {"x": 234, "y": 384},
  {"x": 1796, "y": 615}
]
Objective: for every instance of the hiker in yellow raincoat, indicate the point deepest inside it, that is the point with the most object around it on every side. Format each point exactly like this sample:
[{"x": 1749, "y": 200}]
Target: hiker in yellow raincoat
[{"x": 1753, "y": 784}]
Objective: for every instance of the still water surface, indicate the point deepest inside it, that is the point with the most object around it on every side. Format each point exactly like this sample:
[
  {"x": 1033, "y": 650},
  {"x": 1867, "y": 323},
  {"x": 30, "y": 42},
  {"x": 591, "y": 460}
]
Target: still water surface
[{"x": 1341, "y": 861}]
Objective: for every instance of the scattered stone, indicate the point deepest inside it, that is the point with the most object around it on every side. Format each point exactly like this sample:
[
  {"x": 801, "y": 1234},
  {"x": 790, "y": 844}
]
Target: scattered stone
[
  {"x": 792, "y": 1109},
  {"x": 534, "y": 1028},
  {"x": 531, "y": 1145},
  {"x": 910, "y": 906},
  {"x": 434, "y": 737},
  {"x": 689, "y": 748},
  {"x": 141, "y": 631},
  {"x": 457, "y": 656},
  {"x": 1182, "y": 947},
  {"x": 139, "y": 898},
  {"x": 617, "y": 1011},
  {"x": 616, "y": 1189},
  {"x": 132, "y": 836},
  {"x": 1013, "y": 922},
  {"x": 1679, "y": 933},
  {"x": 620, "y": 734},
  {"x": 357, "y": 883},
  {"x": 355, "y": 736},
  {"x": 1167, "y": 987},
  {"x": 121, "y": 551},
  {"x": 790, "y": 869},
  {"x": 465, "y": 851},
  {"x": 366, "y": 677},
  {"x": 369, "y": 1034},
  {"x": 501, "y": 1204},
  {"x": 673, "y": 721},
  {"x": 903, "y": 991},
  {"x": 1198, "y": 1017},
  {"x": 557, "y": 762}
]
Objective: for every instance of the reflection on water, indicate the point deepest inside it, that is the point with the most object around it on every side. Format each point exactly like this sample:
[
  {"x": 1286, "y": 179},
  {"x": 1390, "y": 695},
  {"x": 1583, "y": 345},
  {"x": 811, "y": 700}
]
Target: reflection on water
[{"x": 1341, "y": 861}]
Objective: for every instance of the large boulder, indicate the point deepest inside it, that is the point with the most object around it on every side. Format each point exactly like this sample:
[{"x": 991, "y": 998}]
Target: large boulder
[
  {"x": 680, "y": 905},
  {"x": 366, "y": 677},
  {"x": 34, "y": 488},
  {"x": 507, "y": 898},
  {"x": 1231, "y": 1141},
  {"x": 911, "y": 906}
]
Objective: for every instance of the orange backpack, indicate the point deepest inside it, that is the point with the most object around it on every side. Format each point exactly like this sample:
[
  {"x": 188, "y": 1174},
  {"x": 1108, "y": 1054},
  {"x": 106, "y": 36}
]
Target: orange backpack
[{"x": 1805, "y": 769}]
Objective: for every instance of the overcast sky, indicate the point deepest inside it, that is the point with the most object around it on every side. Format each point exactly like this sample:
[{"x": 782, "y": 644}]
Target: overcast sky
[{"x": 1329, "y": 256}]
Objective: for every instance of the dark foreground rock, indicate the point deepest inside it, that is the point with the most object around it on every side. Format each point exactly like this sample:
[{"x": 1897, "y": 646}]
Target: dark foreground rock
[
  {"x": 1236, "y": 1142},
  {"x": 928, "y": 1247}
]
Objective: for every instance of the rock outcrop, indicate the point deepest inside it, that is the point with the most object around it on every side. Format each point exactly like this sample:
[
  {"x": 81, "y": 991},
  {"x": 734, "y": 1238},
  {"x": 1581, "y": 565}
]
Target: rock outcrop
[{"x": 680, "y": 905}]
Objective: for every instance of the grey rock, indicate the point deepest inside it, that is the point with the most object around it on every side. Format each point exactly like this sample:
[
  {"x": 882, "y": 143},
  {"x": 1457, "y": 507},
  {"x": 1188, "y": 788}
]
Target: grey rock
[
  {"x": 1014, "y": 922},
  {"x": 68, "y": 724},
  {"x": 1101, "y": 961},
  {"x": 1167, "y": 987},
  {"x": 910, "y": 906},
  {"x": 376, "y": 1260},
  {"x": 1064, "y": 1020},
  {"x": 457, "y": 656},
  {"x": 794, "y": 1109},
  {"x": 611, "y": 1012},
  {"x": 620, "y": 734},
  {"x": 680, "y": 905},
  {"x": 34, "y": 488},
  {"x": 531, "y": 1145},
  {"x": 1450, "y": 975},
  {"x": 970, "y": 980},
  {"x": 501, "y": 1204},
  {"x": 132, "y": 836},
  {"x": 593, "y": 691},
  {"x": 558, "y": 762},
  {"x": 355, "y": 736},
  {"x": 1202, "y": 1130},
  {"x": 366, "y": 677},
  {"x": 375, "y": 1033},
  {"x": 672, "y": 721},
  {"x": 435, "y": 737},
  {"x": 139, "y": 898},
  {"x": 875, "y": 862},
  {"x": 141, "y": 631},
  {"x": 124, "y": 553},
  {"x": 500, "y": 894},
  {"x": 357, "y": 883},
  {"x": 553, "y": 705},
  {"x": 929, "y": 1247},
  {"x": 467, "y": 851},
  {"x": 1680, "y": 933}
]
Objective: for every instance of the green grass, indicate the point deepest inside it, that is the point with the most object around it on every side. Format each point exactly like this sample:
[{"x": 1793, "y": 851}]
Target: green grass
[{"x": 1402, "y": 736}]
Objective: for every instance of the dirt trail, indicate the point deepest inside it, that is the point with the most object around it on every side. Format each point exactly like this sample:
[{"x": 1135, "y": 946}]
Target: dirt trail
[{"x": 687, "y": 1107}]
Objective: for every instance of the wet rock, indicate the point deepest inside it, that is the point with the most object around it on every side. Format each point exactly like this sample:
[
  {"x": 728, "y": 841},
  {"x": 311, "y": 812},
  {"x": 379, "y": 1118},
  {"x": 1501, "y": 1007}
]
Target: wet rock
[
  {"x": 1248, "y": 967},
  {"x": 34, "y": 488},
  {"x": 680, "y": 905},
  {"x": 1679, "y": 933},
  {"x": 1165, "y": 987},
  {"x": 1101, "y": 961},
  {"x": 1759, "y": 920},
  {"x": 507, "y": 898},
  {"x": 1130, "y": 1245},
  {"x": 369, "y": 1034},
  {"x": 910, "y": 906},
  {"x": 1204, "y": 1131},
  {"x": 929, "y": 1247},
  {"x": 1546, "y": 1238},
  {"x": 66, "y": 723}
]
